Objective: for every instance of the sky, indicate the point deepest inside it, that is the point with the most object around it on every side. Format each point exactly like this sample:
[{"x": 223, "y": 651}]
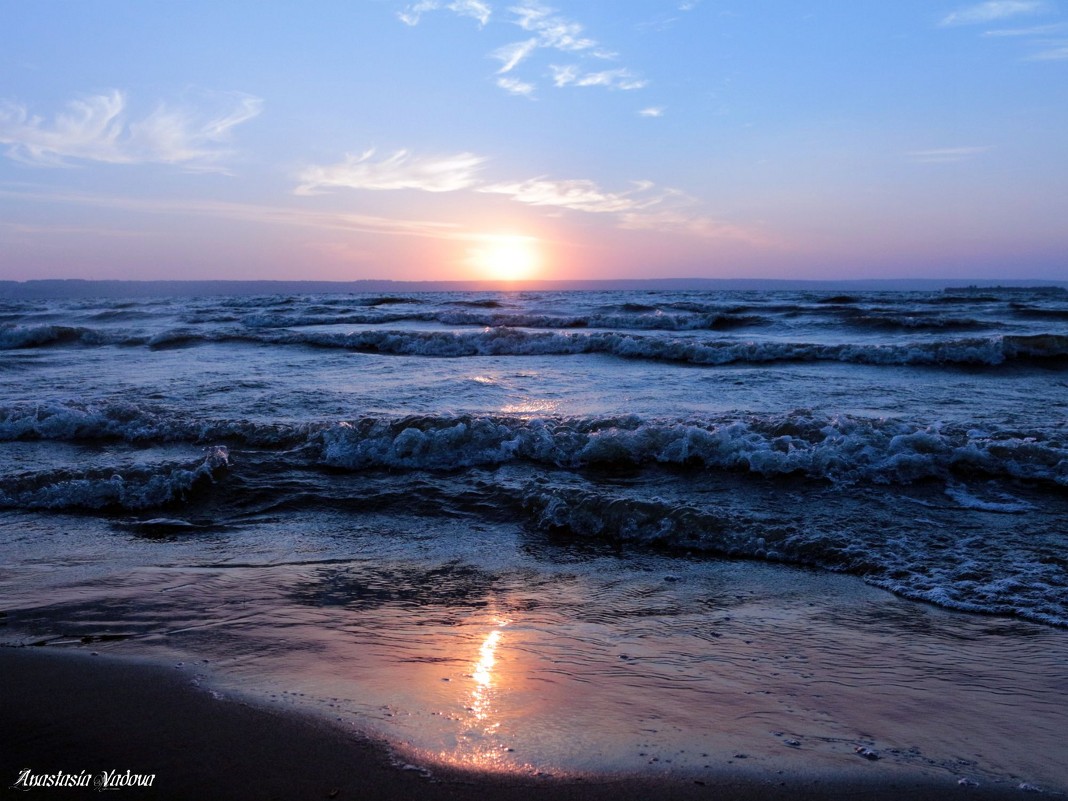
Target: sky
[{"x": 509, "y": 139}]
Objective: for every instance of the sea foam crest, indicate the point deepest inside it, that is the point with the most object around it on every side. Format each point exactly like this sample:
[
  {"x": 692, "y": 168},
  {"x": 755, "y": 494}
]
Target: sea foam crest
[
  {"x": 509, "y": 341},
  {"x": 13, "y": 337},
  {"x": 838, "y": 448},
  {"x": 834, "y": 447},
  {"x": 655, "y": 321},
  {"x": 72, "y": 420},
  {"x": 690, "y": 349},
  {"x": 982, "y": 576},
  {"x": 651, "y": 521},
  {"x": 133, "y": 487}
]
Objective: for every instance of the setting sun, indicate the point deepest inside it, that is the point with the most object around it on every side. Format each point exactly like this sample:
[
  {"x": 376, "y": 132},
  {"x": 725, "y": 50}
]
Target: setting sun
[{"x": 506, "y": 257}]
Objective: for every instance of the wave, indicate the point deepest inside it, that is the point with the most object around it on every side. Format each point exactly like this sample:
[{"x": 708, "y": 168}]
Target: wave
[
  {"x": 119, "y": 313},
  {"x": 505, "y": 341},
  {"x": 970, "y": 574},
  {"x": 989, "y": 351},
  {"x": 13, "y": 337},
  {"x": 1038, "y": 313},
  {"x": 837, "y": 448},
  {"x": 134, "y": 487},
  {"x": 803, "y": 488},
  {"x": 658, "y": 321},
  {"x": 386, "y": 300},
  {"x": 962, "y": 299},
  {"x": 478, "y": 303},
  {"x": 891, "y": 322},
  {"x": 140, "y": 424},
  {"x": 831, "y": 448}
]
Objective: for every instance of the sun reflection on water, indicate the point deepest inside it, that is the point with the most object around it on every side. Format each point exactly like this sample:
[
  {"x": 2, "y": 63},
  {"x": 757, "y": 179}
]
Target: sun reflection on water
[
  {"x": 477, "y": 744},
  {"x": 483, "y": 678},
  {"x": 531, "y": 407}
]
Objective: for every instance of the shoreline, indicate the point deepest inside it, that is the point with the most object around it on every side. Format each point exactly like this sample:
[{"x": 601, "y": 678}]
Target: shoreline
[{"x": 75, "y": 713}]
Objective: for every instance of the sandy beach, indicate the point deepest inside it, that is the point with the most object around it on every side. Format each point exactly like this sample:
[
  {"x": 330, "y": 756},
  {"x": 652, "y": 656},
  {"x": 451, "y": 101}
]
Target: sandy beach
[{"x": 74, "y": 713}]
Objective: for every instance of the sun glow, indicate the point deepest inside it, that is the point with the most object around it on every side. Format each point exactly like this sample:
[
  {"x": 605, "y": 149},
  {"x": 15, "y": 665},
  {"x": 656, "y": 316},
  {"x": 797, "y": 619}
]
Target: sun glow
[{"x": 506, "y": 257}]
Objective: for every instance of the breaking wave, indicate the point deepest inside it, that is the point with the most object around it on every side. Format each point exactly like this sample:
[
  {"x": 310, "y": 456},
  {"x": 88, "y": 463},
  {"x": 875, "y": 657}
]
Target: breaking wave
[
  {"x": 134, "y": 487},
  {"x": 839, "y": 448},
  {"x": 501, "y": 341}
]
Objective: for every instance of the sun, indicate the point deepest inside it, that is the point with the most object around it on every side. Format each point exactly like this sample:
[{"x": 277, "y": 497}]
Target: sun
[{"x": 506, "y": 257}]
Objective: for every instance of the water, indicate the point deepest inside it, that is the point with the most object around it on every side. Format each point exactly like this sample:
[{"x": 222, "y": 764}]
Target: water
[{"x": 457, "y": 513}]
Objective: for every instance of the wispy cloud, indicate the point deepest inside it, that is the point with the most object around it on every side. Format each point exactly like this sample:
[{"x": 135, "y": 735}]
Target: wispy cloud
[
  {"x": 642, "y": 204},
  {"x": 574, "y": 194},
  {"x": 648, "y": 209},
  {"x": 553, "y": 30},
  {"x": 401, "y": 170},
  {"x": 945, "y": 155},
  {"x": 1052, "y": 51},
  {"x": 476, "y": 9},
  {"x": 546, "y": 29},
  {"x": 570, "y": 75},
  {"x": 992, "y": 10},
  {"x": 652, "y": 111},
  {"x": 1046, "y": 42},
  {"x": 97, "y": 128},
  {"x": 251, "y": 213},
  {"x": 515, "y": 86},
  {"x": 692, "y": 223},
  {"x": 1034, "y": 30},
  {"x": 413, "y": 13},
  {"x": 472, "y": 8},
  {"x": 71, "y": 230},
  {"x": 511, "y": 54}
]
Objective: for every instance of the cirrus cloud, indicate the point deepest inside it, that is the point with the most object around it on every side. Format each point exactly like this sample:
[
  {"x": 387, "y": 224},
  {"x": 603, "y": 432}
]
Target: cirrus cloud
[
  {"x": 475, "y": 9},
  {"x": 511, "y": 54},
  {"x": 945, "y": 155},
  {"x": 575, "y": 194},
  {"x": 992, "y": 10},
  {"x": 643, "y": 205},
  {"x": 401, "y": 170},
  {"x": 98, "y": 128},
  {"x": 515, "y": 86},
  {"x": 546, "y": 29},
  {"x": 570, "y": 75}
]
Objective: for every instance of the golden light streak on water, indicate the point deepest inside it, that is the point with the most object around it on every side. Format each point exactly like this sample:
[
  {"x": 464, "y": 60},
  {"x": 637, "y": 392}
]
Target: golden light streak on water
[
  {"x": 483, "y": 677},
  {"x": 531, "y": 407},
  {"x": 477, "y": 745}
]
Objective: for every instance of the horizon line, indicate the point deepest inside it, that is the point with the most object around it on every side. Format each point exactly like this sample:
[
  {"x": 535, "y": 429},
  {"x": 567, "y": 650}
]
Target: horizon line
[{"x": 145, "y": 287}]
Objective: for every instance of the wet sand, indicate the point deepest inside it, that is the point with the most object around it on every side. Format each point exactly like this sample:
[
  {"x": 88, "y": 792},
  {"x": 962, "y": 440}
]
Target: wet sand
[{"x": 72, "y": 712}]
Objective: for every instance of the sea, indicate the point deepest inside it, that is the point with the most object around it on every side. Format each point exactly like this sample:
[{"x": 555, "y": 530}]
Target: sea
[{"x": 564, "y": 531}]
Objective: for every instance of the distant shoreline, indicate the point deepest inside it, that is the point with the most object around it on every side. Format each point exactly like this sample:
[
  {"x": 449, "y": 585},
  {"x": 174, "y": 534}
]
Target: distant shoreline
[{"x": 84, "y": 288}]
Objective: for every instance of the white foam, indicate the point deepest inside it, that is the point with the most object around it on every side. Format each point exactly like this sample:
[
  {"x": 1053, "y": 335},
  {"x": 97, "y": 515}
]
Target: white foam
[
  {"x": 1004, "y": 503},
  {"x": 834, "y": 447},
  {"x": 838, "y": 448},
  {"x": 135, "y": 487}
]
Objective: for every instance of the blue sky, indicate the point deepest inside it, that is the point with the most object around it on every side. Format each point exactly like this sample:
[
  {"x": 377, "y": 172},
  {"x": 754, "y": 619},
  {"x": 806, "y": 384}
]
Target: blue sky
[{"x": 443, "y": 139}]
